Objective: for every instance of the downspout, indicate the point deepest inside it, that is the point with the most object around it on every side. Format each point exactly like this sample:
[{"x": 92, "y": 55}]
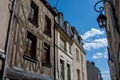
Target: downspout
[
  {"x": 55, "y": 57},
  {"x": 11, "y": 9},
  {"x": 54, "y": 53}
]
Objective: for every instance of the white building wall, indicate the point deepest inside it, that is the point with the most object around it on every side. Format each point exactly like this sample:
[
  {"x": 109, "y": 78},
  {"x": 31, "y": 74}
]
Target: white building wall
[
  {"x": 79, "y": 65},
  {"x": 67, "y": 58},
  {"x": 4, "y": 20}
]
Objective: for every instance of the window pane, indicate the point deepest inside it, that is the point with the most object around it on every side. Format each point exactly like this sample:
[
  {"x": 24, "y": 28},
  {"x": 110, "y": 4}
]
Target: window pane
[
  {"x": 46, "y": 54},
  {"x": 77, "y": 55},
  {"x": 62, "y": 44},
  {"x": 30, "y": 45},
  {"x": 61, "y": 70},
  {"x": 78, "y": 74},
  {"x": 68, "y": 72},
  {"x": 47, "y": 29},
  {"x": 33, "y": 14}
]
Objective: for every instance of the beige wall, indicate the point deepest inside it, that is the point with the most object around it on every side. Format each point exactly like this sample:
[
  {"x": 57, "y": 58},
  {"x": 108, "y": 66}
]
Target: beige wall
[
  {"x": 79, "y": 64},
  {"x": 66, "y": 57},
  {"x": 4, "y": 19},
  {"x": 112, "y": 33}
]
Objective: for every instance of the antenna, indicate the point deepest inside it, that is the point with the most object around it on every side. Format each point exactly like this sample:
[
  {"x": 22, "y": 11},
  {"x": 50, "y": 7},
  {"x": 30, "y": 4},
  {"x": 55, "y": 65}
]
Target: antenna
[{"x": 56, "y": 4}]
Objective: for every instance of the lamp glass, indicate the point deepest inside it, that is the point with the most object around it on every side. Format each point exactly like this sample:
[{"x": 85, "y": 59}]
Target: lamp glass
[{"x": 102, "y": 21}]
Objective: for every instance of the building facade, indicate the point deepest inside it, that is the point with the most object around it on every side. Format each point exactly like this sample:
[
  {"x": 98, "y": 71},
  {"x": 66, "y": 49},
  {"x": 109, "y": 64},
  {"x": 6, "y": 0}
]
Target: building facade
[
  {"x": 71, "y": 61},
  {"x": 37, "y": 44},
  {"x": 112, "y": 11},
  {"x": 30, "y": 46},
  {"x": 93, "y": 73},
  {"x": 64, "y": 49},
  {"x": 4, "y": 22},
  {"x": 79, "y": 57}
]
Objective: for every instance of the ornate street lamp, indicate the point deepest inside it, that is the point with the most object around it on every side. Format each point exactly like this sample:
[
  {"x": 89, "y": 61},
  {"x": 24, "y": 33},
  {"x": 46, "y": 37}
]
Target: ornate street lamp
[{"x": 102, "y": 19}]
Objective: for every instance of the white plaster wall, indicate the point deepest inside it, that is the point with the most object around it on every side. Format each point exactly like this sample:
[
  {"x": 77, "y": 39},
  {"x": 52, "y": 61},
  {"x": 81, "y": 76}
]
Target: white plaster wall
[
  {"x": 4, "y": 18},
  {"x": 78, "y": 65},
  {"x": 67, "y": 58}
]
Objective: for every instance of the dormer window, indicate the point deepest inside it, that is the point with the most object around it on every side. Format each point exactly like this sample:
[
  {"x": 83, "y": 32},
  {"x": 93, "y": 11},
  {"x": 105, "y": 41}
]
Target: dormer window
[{"x": 33, "y": 14}]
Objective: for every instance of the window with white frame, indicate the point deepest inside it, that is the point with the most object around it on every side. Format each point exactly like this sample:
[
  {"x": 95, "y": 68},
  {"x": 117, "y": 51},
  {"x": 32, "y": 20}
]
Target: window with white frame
[
  {"x": 62, "y": 77},
  {"x": 82, "y": 61},
  {"x": 78, "y": 74},
  {"x": 62, "y": 44},
  {"x": 70, "y": 48},
  {"x": 77, "y": 55},
  {"x": 68, "y": 72}
]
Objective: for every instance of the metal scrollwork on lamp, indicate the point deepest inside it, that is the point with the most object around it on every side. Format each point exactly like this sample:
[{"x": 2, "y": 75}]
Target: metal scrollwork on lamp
[{"x": 102, "y": 20}]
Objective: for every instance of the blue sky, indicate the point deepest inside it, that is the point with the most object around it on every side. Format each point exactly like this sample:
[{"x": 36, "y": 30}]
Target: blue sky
[{"x": 81, "y": 14}]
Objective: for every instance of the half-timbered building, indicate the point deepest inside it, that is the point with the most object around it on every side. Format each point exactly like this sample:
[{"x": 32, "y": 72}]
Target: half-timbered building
[{"x": 30, "y": 48}]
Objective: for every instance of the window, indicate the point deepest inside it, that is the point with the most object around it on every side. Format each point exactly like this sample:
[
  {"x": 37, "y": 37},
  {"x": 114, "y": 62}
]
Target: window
[
  {"x": 30, "y": 47},
  {"x": 68, "y": 72},
  {"x": 77, "y": 55},
  {"x": 62, "y": 44},
  {"x": 46, "y": 56},
  {"x": 70, "y": 48},
  {"x": 82, "y": 64},
  {"x": 33, "y": 14},
  {"x": 82, "y": 75},
  {"x": 47, "y": 29},
  {"x": 62, "y": 70},
  {"x": 78, "y": 74}
]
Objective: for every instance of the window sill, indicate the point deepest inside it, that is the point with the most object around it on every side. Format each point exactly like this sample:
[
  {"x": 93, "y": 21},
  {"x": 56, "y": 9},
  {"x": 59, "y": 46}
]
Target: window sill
[
  {"x": 47, "y": 65},
  {"x": 29, "y": 58},
  {"x": 33, "y": 22}
]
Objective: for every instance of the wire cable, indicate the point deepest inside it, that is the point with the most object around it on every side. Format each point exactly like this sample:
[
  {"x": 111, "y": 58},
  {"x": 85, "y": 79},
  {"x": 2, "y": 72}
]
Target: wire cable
[{"x": 56, "y": 4}]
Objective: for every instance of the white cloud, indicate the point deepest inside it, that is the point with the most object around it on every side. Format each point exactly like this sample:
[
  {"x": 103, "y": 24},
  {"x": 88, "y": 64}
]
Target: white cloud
[
  {"x": 95, "y": 44},
  {"x": 91, "y": 33},
  {"x": 106, "y": 74},
  {"x": 100, "y": 55}
]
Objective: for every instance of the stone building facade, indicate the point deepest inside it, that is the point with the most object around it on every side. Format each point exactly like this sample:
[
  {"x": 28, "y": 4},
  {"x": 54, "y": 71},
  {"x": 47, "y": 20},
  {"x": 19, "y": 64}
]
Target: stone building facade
[
  {"x": 112, "y": 11},
  {"x": 71, "y": 61},
  {"x": 30, "y": 46},
  {"x": 79, "y": 57},
  {"x": 93, "y": 73},
  {"x": 64, "y": 49},
  {"x": 37, "y": 44}
]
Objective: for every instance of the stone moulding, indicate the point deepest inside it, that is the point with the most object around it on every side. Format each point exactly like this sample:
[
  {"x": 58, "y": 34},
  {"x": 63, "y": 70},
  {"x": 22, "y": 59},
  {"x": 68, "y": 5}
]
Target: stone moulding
[
  {"x": 17, "y": 74},
  {"x": 2, "y": 53}
]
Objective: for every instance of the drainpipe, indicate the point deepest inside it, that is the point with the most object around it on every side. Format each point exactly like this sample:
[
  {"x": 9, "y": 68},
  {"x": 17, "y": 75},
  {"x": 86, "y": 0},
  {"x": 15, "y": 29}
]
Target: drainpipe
[
  {"x": 54, "y": 53},
  {"x": 11, "y": 8},
  {"x": 55, "y": 57}
]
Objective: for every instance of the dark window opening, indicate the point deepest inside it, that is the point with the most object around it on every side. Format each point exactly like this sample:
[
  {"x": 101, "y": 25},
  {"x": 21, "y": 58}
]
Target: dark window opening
[
  {"x": 78, "y": 74},
  {"x": 47, "y": 29},
  {"x": 62, "y": 70},
  {"x": 33, "y": 14},
  {"x": 68, "y": 72},
  {"x": 30, "y": 47},
  {"x": 46, "y": 56}
]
